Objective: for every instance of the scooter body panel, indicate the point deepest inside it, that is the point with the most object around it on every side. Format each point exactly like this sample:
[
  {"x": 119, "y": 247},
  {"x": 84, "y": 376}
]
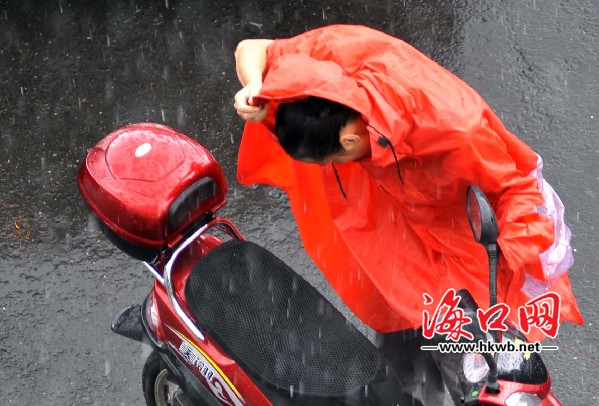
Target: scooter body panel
[
  {"x": 510, "y": 389},
  {"x": 208, "y": 362}
]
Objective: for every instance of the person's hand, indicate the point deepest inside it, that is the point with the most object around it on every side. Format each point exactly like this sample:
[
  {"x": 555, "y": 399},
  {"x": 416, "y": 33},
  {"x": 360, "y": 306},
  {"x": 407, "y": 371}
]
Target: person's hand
[{"x": 244, "y": 103}]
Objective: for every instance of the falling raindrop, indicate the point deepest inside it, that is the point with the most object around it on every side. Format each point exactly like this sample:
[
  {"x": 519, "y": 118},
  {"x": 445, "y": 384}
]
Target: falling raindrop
[
  {"x": 163, "y": 115},
  {"x": 92, "y": 223},
  {"x": 180, "y": 116},
  {"x": 107, "y": 40},
  {"x": 321, "y": 306}
]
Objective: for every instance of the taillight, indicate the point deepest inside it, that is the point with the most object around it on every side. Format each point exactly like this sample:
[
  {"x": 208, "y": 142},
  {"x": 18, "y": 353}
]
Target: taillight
[{"x": 152, "y": 314}]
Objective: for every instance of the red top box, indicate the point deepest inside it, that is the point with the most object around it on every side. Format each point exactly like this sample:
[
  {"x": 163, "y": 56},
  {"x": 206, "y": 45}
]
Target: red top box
[{"x": 148, "y": 184}]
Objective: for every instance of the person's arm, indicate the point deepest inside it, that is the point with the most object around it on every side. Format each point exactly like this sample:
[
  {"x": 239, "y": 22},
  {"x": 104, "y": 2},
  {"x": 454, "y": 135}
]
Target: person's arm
[
  {"x": 250, "y": 59},
  {"x": 496, "y": 165}
]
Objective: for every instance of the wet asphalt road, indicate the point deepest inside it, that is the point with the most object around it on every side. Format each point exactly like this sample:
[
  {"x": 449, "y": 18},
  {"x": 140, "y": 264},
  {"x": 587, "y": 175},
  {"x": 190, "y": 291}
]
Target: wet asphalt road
[{"x": 71, "y": 73}]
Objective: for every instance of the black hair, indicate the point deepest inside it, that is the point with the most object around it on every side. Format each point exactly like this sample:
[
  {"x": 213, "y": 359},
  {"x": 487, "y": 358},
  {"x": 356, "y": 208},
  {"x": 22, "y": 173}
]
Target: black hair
[{"x": 309, "y": 128}]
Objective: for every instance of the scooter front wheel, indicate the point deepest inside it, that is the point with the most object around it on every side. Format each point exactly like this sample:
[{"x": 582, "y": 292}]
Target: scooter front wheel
[{"x": 158, "y": 386}]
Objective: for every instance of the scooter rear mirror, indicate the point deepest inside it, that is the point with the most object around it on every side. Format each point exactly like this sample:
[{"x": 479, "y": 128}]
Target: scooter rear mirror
[
  {"x": 485, "y": 229},
  {"x": 481, "y": 216}
]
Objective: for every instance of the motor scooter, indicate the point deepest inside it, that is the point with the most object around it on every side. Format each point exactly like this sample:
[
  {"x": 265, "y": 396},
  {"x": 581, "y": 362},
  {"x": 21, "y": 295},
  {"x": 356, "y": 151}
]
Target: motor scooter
[{"x": 229, "y": 322}]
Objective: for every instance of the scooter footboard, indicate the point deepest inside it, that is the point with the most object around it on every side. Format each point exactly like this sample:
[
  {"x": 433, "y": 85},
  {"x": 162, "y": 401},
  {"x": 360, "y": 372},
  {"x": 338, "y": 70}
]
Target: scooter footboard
[{"x": 278, "y": 327}]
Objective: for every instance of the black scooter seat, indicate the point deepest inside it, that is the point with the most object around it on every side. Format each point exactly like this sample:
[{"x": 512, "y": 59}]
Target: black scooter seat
[{"x": 276, "y": 325}]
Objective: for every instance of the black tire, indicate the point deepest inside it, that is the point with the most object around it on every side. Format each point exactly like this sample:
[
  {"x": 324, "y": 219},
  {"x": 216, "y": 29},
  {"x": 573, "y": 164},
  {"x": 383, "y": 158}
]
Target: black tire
[{"x": 158, "y": 386}]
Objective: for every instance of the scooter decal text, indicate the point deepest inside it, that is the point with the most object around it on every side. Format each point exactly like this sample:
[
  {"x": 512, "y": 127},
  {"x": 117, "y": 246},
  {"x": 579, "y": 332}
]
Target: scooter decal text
[
  {"x": 219, "y": 384},
  {"x": 191, "y": 356}
]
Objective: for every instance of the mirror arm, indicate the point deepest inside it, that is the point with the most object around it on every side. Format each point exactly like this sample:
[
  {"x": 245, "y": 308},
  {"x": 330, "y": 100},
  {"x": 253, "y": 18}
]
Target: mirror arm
[
  {"x": 493, "y": 254},
  {"x": 492, "y": 384}
]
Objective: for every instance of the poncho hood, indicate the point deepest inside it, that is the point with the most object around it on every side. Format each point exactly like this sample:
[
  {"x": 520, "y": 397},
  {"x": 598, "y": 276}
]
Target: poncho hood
[{"x": 297, "y": 76}]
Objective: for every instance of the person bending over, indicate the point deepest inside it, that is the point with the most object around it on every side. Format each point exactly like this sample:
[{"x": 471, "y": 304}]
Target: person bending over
[{"x": 375, "y": 145}]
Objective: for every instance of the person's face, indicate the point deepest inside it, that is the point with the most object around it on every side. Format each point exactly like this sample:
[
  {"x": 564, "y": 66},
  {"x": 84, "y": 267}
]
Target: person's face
[{"x": 355, "y": 144}]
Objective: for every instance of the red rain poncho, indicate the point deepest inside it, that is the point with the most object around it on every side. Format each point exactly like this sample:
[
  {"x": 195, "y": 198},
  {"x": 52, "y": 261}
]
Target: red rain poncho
[{"x": 402, "y": 233}]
